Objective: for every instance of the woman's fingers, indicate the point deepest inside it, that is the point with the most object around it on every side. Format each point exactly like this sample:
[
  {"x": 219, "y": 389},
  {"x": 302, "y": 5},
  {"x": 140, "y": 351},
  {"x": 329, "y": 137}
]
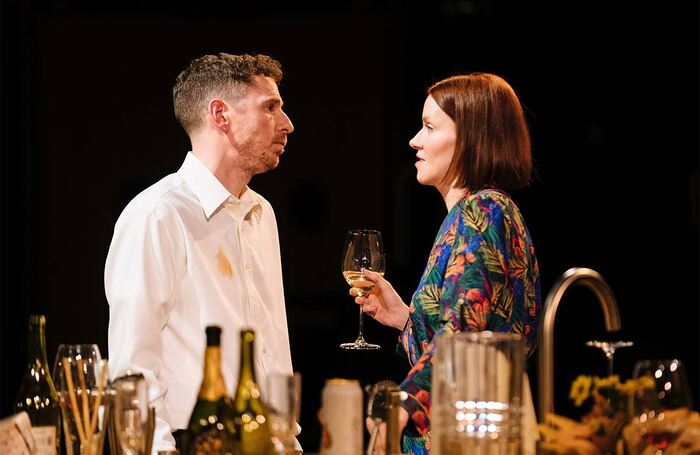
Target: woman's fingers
[
  {"x": 374, "y": 276},
  {"x": 368, "y": 305}
]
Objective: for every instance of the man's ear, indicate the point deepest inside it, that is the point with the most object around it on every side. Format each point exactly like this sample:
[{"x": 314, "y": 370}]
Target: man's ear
[{"x": 219, "y": 113}]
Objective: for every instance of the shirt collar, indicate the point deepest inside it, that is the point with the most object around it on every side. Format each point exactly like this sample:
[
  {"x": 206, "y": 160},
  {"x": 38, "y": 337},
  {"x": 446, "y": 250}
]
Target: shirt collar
[
  {"x": 248, "y": 204},
  {"x": 210, "y": 191}
]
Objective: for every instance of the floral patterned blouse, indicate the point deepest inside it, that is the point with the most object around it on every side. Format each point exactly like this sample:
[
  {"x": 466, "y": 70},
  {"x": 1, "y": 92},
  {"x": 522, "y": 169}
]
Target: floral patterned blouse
[{"x": 481, "y": 275}]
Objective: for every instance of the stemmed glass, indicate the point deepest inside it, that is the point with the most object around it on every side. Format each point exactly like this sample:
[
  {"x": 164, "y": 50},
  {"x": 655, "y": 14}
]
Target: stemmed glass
[
  {"x": 660, "y": 410},
  {"x": 363, "y": 250},
  {"x": 131, "y": 412},
  {"x": 80, "y": 376},
  {"x": 609, "y": 348}
]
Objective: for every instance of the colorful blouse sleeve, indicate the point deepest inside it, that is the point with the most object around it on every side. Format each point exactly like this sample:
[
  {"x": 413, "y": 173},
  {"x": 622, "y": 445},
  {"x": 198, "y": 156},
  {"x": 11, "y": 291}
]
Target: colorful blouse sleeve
[{"x": 484, "y": 275}]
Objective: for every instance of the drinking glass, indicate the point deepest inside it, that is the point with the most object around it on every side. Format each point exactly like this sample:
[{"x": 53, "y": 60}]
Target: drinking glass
[
  {"x": 477, "y": 393},
  {"x": 131, "y": 412},
  {"x": 660, "y": 410},
  {"x": 283, "y": 397},
  {"x": 363, "y": 250},
  {"x": 80, "y": 376}
]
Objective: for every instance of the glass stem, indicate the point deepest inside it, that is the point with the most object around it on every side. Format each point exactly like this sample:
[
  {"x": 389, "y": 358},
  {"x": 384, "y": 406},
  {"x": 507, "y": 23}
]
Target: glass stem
[{"x": 360, "y": 338}]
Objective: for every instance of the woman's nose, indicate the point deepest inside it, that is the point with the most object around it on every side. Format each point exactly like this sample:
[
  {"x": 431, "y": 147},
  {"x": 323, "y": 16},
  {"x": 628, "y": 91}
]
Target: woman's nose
[{"x": 413, "y": 143}]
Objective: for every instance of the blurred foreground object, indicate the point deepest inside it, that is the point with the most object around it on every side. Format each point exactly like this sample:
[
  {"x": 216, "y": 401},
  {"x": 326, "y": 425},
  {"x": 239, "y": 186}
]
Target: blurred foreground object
[
  {"x": 687, "y": 442},
  {"x": 561, "y": 435},
  {"x": 37, "y": 394},
  {"x": 341, "y": 417},
  {"x": 16, "y": 435}
]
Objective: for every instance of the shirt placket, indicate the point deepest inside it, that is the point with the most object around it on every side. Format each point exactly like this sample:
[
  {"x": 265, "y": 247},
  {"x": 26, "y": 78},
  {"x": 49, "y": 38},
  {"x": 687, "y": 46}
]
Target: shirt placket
[
  {"x": 249, "y": 279},
  {"x": 233, "y": 207},
  {"x": 253, "y": 312},
  {"x": 254, "y": 305}
]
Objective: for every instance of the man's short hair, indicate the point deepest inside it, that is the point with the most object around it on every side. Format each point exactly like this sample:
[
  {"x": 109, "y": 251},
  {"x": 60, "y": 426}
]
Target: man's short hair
[{"x": 220, "y": 75}]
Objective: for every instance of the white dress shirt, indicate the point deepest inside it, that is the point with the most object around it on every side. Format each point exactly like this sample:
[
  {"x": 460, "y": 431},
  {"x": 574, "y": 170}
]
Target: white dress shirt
[{"x": 187, "y": 254}]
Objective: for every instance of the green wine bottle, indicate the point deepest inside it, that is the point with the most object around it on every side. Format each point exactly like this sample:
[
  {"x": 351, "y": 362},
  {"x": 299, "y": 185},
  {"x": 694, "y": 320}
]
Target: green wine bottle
[
  {"x": 252, "y": 425},
  {"x": 211, "y": 429},
  {"x": 37, "y": 394}
]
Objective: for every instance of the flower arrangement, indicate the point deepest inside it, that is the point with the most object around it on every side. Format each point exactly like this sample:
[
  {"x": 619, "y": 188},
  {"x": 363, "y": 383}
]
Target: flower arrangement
[
  {"x": 609, "y": 411},
  {"x": 599, "y": 431}
]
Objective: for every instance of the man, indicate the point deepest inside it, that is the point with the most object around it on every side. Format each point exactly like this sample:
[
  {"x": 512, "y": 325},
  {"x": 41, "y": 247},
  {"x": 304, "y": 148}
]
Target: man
[{"x": 199, "y": 247}]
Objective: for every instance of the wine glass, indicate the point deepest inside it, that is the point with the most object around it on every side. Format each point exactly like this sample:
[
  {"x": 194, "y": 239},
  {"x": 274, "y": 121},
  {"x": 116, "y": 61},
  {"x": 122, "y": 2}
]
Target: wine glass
[
  {"x": 662, "y": 402},
  {"x": 80, "y": 376},
  {"x": 363, "y": 250},
  {"x": 609, "y": 348},
  {"x": 283, "y": 399},
  {"x": 131, "y": 412}
]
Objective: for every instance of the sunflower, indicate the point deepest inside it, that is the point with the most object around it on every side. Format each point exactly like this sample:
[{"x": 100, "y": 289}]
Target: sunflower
[
  {"x": 580, "y": 389},
  {"x": 609, "y": 382},
  {"x": 628, "y": 387}
]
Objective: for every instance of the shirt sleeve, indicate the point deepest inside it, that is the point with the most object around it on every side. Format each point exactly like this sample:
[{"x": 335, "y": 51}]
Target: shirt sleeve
[
  {"x": 417, "y": 387},
  {"x": 140, "y": 282},
  {"x": 417, "y": 384}
]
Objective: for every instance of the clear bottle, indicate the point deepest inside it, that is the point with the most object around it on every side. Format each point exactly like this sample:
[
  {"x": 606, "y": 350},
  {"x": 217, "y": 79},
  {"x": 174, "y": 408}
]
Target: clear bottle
[
  {"x": 252, "y": 424},
  {"x": 211, "y": 428},
  {"x": 37, "y": 394}
]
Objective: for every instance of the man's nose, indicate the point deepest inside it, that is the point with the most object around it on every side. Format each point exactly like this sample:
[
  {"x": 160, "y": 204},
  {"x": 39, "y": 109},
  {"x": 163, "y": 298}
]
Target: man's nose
[{"x": 286, "y": 124}]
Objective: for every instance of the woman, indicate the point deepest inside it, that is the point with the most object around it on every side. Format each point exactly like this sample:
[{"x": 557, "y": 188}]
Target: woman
[{"x": 482, "y": 272}]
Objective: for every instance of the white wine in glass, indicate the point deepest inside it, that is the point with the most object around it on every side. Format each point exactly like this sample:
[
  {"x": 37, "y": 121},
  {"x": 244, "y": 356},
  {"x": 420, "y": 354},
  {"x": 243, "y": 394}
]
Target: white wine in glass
[
  {"x": 359, "y": 281},
  {"x": 363, "y": 250}
]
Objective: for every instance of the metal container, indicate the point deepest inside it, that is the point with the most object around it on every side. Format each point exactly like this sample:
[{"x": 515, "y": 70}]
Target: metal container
[{"x": 341, "y": 417}]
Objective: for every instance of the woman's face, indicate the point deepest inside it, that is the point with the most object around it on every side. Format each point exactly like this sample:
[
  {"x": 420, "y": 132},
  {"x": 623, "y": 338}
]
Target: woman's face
[{"x": 435, "y": 143}]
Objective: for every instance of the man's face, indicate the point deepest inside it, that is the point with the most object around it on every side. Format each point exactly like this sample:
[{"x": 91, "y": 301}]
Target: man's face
[{"x": 259, "y": 126}]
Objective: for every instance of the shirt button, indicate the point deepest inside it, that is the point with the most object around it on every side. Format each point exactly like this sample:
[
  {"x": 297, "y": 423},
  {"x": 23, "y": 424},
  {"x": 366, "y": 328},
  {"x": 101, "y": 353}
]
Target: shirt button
[{"x": 264, "y": 350}]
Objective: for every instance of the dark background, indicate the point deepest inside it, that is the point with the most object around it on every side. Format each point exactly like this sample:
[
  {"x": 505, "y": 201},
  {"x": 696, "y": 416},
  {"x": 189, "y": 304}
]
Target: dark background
[{"x": 611, "y": 94}]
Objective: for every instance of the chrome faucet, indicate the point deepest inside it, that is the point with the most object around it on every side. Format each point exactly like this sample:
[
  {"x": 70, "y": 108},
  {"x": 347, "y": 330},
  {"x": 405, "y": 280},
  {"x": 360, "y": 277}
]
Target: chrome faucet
[{"x": 578, "y": 276}]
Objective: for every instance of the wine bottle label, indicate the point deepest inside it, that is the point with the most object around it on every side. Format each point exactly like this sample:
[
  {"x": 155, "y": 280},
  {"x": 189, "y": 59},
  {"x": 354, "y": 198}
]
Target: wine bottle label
[{"x": 45, "y": 440}]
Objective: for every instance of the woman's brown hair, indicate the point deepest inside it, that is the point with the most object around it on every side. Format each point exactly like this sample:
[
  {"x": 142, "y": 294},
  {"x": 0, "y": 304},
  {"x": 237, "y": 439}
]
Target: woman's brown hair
[{"x": 493, "y": 141}]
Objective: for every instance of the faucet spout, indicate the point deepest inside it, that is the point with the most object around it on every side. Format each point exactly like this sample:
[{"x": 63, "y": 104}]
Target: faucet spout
[{"x": 578, "y": 276}]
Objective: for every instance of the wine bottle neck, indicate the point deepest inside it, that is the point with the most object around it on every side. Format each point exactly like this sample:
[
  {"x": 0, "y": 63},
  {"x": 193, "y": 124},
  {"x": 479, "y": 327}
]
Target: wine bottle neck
[
  {"x": 247, "y": 370},
  {"x": 213, "y": 387},
  {"x": 36, "y": 342}
]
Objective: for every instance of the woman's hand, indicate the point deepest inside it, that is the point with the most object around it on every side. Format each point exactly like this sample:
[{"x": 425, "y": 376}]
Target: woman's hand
[{"x": 382, "y": 303}]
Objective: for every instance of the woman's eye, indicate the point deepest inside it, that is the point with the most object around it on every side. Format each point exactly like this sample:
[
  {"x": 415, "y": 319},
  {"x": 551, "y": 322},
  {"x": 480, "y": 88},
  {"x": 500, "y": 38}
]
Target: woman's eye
[{"x": 428, "y": 127}]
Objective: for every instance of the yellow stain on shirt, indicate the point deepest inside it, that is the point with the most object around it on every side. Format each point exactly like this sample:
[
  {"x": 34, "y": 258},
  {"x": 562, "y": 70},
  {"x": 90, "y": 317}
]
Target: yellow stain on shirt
[{"x": 223, "y": 264}]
